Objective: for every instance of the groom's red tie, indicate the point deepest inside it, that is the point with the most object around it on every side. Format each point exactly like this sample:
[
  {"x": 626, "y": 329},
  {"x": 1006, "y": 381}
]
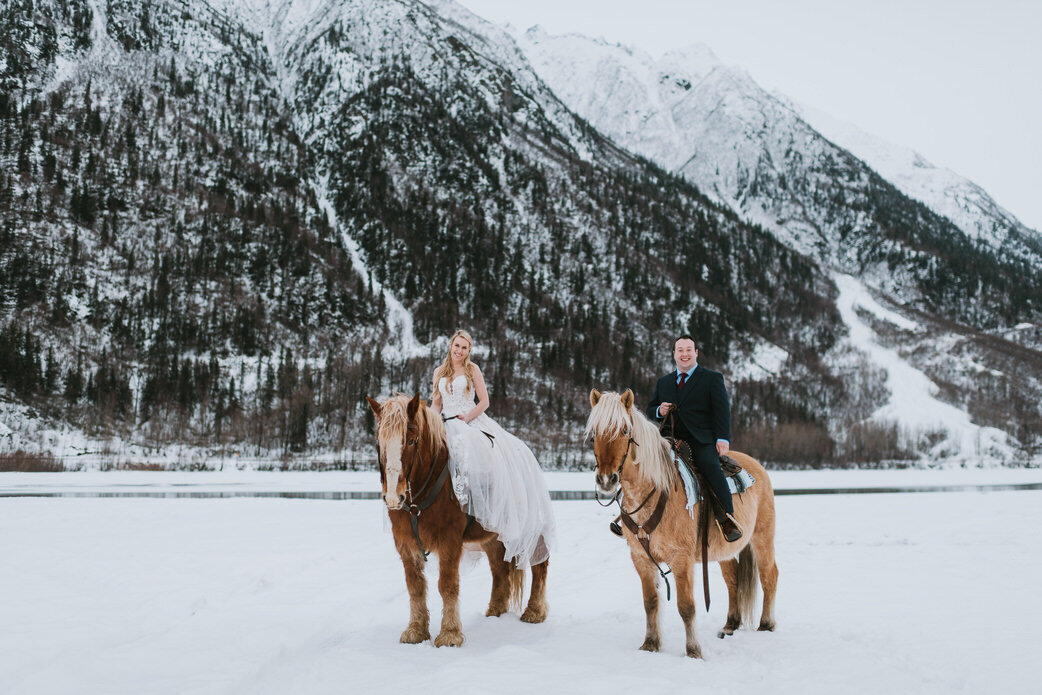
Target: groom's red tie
[{"x": 683, "y": 378}]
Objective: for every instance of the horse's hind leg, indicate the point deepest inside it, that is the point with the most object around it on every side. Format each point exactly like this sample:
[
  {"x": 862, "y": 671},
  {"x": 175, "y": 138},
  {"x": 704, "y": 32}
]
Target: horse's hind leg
[
  {"x": 418, "y": 629},
  {"x": 729, "y": 568},
  {"x": 451, "y": 634},
  {"x": 537, "y": 608},
  {"x": 682, "y": 572},
  {"x": 499, "y": 601},
  {"x": 764, "y": 548}
]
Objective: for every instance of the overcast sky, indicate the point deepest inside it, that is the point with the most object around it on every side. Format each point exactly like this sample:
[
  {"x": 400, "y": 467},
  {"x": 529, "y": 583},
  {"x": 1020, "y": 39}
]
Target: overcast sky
[{"x": 959, "y": 81}]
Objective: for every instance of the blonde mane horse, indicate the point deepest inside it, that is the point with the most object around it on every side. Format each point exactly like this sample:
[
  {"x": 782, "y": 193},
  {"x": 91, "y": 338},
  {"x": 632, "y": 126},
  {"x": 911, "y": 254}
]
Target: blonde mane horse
[
  {"x": 630, "y": 453},
  {"x": 426, "y": 518}
]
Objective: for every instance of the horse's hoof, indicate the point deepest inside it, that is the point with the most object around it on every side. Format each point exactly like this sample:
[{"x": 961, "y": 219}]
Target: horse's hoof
[
  {"x": 728, "y": 629},
  {"x": 649, "y": 645},
  {"x": 414, "y": 635},
  {"x": 449, "y": 638},
  {"x": 494, "y": 611},
  {"x": 766, "y": 627},
  {"x": 695, "y": 651},
  {"x": 532, "y": 615}
]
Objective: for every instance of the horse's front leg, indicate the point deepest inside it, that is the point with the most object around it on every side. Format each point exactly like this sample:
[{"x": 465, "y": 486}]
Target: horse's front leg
[
  {"x": 418, "y": 629},
  {"x": 649, "y": 584},
  {"x": 682, "y": 572},
  {"x": 451, "y": 634}
]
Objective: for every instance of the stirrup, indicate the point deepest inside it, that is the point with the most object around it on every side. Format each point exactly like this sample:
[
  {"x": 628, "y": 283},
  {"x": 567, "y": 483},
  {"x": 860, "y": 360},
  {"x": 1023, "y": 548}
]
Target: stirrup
[{"x": 737, "y": 527}]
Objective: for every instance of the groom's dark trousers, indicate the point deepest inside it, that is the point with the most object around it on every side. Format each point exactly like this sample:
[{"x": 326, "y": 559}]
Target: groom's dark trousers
[{"x": 702, "y": 416}]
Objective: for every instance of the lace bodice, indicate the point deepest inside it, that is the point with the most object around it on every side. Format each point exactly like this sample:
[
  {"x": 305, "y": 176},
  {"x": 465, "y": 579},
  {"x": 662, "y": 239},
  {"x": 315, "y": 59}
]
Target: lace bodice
[{"x": 455, "y": 399}]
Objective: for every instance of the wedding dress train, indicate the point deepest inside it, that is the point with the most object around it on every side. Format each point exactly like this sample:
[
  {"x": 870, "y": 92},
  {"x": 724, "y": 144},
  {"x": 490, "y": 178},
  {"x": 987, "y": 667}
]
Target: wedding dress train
[{"x": 496, "y": 478}]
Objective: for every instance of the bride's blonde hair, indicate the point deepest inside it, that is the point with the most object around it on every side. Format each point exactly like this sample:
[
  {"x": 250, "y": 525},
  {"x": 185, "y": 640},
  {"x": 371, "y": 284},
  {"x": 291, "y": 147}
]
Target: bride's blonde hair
[{"x": 445, "y": 370}]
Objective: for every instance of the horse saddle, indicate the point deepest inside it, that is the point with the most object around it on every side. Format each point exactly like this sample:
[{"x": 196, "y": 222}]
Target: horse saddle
[{"x": 738, "y": 479}]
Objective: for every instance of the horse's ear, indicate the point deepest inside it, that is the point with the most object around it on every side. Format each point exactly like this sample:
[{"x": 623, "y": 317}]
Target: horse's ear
[
  {"x": 413, "y": 406},
  {"x": 595, "y": 397},
  {"x": 627, "y": 399},
  {"x": 374, "y": 406}
]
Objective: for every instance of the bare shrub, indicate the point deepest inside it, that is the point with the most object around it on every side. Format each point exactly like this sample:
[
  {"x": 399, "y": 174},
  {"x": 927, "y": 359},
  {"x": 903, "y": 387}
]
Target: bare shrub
[
  {"x": 132, "y": 466},
  {"x": 872, "y": 442},
  {"x": 799, "y": 444},
  {"x": 26, "y": 462}
]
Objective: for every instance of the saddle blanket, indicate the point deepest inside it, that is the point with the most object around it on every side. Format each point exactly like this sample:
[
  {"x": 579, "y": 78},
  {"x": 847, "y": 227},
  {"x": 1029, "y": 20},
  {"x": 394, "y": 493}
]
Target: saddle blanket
[{"x": 737, "y": 483}]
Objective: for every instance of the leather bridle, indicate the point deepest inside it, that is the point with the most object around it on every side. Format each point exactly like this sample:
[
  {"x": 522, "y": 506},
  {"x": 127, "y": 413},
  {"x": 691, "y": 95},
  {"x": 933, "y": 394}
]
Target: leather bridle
[
  {"x": 626, "y": 455},
  {"x": 413, "y": 508},
  {"x": 642, "y": 532},
  {"x": 618, "y": 472}
]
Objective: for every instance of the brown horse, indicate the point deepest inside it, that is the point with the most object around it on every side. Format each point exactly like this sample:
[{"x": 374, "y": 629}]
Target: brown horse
[
  {"x": 632, "y": 454},
  {"x": 426, "y": 517}
]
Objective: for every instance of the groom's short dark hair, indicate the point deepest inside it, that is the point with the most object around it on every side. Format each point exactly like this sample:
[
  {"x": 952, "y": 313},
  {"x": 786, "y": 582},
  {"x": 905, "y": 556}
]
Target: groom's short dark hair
[{"x": 685, "y": 336}]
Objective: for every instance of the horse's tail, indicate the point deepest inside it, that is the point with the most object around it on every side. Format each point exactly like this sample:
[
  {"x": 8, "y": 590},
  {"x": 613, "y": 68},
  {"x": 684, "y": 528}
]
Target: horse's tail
[
  {"x": 516, "y": 579},
  {"x": 747, "y": 580}
]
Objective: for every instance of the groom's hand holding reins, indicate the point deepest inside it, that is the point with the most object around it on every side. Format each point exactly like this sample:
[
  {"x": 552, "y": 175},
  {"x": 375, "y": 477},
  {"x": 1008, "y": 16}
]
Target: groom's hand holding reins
[{"x": 664, "y": 409}]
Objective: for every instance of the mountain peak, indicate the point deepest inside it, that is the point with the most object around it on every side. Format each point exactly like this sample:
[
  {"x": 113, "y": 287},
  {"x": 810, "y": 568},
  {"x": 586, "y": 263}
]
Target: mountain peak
[{"x": 697, "y": 58}]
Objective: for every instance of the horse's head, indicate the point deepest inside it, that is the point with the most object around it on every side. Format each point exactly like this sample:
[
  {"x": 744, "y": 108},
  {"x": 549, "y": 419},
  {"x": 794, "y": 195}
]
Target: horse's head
[
  {"x": 408, "y": 436},
  {"x": 611, "y": 426}
]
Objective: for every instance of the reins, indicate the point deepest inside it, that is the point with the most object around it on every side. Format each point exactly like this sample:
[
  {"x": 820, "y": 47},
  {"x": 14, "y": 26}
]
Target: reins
[
  {"x": 647, "y": 527},
  {"x": 653, "y": 521},
  {"x": 703, "y": 520},
  {"x": 491, "y": 438},
  {"x": 650, "y": 524},
  {"x": 415, "y": 509}
]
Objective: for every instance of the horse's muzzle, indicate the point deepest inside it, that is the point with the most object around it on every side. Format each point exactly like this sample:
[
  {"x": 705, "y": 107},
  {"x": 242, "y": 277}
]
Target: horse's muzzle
[
  {"x": 394, "y": 502},
  {"x": 606, "y": 484}
]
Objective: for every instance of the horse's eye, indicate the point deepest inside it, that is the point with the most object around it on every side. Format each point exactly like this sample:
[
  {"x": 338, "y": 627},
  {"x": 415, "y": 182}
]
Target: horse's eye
[{"x": 412, "y": 442}]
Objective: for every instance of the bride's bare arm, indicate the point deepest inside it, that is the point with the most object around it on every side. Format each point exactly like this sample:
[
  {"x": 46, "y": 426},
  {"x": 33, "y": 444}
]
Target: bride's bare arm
[
  {"x": 479, "y": 388},
  {"x": 436, "y": 398}
]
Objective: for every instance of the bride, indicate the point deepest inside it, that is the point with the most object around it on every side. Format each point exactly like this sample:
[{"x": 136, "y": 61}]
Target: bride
[{"x": 495, "y": 476}]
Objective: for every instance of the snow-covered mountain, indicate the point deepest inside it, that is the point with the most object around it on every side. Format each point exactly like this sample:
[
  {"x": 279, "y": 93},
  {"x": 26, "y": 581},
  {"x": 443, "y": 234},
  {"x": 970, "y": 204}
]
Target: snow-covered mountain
[
  {"x": 713, "y": 124},
  {"x": 947, "y": 193},
  {"x": 229, "y": 222},
  {"x": 791, "y": 170}
]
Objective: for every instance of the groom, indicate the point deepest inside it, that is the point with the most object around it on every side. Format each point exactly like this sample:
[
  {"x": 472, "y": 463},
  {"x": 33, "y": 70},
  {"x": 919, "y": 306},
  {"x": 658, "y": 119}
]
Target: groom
[{"x": 702, "y": 418}]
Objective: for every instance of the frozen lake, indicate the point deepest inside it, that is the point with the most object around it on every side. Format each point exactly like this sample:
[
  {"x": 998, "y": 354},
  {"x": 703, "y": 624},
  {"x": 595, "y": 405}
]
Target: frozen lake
[
  {"x": 926, "y": 593},
  {"x": 566, "y": 485}
]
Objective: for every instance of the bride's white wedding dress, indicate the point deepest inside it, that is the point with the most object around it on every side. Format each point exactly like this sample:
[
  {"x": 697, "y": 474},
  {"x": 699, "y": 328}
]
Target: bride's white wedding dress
[{"x": 497, "y": 481}]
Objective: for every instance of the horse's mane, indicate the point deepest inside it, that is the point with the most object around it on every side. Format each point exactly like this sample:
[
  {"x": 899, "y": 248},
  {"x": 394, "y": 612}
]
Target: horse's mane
[
  {"x": 394, "y": 421},
  {"x": 611, "y": 418}
]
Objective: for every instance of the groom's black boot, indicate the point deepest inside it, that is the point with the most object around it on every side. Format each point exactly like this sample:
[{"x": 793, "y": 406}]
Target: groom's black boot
[{"x": 728, "y": 526}]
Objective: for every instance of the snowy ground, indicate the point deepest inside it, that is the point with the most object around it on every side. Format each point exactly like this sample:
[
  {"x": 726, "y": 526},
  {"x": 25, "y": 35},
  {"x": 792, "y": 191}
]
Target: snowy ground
[{"x": 899, "y": 593}]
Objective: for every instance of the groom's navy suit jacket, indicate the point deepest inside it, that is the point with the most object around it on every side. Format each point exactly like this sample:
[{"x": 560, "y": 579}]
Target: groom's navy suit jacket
[{"x": 702, "y": 405}]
